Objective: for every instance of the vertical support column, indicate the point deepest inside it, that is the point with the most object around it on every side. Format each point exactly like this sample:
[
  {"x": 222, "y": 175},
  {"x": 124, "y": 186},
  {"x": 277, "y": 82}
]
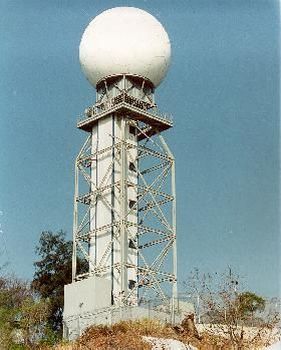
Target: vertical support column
[
  {"x": 132, "y": 212},
  {"x": 112, "y": 209},
  {"x": 174, "y": 305},
  {"x": 92, "y": 244},
  {"x": 100, "y": 209},
  {"x": 123, "y": 207},
  {"x": 174, "y": 224},
  {"x": 75, "y": 222}
]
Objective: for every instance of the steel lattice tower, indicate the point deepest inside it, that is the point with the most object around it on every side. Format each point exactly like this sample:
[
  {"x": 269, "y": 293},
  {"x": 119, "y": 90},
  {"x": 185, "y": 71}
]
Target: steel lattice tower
[
  {"x": 124, "y": 230},
  {"x": 125, "y": 204}
]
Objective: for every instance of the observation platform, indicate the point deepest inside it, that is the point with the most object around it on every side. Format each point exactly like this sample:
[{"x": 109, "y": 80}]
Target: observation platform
[{"x": 124, "y": 104}]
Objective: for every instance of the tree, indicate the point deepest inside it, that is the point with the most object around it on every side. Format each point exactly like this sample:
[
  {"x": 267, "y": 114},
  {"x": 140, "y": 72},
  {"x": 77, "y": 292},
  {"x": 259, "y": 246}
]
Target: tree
[
  {"x": 32, "y": 320},
  {"x": 227, "y": 311},
  {"x": 249, "y": 303},
  {"x": 9, "y": 305},
  {"x": 52, "y": 272},
  {"x": 23, "y": 317}
]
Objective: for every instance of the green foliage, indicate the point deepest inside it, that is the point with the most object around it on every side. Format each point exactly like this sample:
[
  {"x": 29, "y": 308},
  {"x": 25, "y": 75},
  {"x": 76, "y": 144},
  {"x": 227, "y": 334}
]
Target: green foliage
[
  {"x": 52, "y": 272},
  {"x": 12, "y": 292},
  {"x": 22, "y": 315},
  {"x": 32, "y": 319},
  {"x": 250, "y": 303}
]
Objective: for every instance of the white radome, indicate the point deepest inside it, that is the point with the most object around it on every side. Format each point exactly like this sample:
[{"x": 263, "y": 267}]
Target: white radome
[{"x": 125, "y": 40}]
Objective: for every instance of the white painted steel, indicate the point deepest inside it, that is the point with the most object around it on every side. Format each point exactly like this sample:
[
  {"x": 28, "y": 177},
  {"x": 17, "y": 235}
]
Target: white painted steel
[
  {"x": 125, "y": 40},
  {"x": 100, "y": 212},
  {"x": 174, "y": 224},
  {"x": 113, "y": 205},
  {"x": 129, "y": 187}
]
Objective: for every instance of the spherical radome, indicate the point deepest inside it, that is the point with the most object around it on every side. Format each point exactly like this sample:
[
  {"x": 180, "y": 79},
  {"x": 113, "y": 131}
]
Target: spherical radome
[{"x": 125, "y": 40}]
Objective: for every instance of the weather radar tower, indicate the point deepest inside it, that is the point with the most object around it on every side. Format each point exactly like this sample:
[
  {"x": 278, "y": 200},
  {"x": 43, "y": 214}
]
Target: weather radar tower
[{"x": 124, "y": 231}]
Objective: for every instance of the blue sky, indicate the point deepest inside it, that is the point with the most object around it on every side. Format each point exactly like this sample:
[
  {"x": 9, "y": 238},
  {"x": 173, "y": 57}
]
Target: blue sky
[{"x": 223, "y": 92}]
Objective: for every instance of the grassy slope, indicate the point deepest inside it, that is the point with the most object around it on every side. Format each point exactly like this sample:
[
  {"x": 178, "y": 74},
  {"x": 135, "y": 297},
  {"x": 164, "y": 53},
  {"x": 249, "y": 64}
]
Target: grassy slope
[{"x": 127, "y": 335}]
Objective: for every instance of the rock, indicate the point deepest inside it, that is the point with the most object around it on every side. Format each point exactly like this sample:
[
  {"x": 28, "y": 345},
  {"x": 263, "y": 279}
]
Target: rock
[
  {"x": 188, "y": 325},
  {"x": 275, "y": 346},
  {"x": 167, "y": 344}
]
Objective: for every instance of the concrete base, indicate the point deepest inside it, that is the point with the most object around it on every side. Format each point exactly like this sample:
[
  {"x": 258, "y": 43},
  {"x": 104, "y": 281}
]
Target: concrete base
[
  {"x": 88, "y": 302},
  {"x": 75, "y": 325},
  {"x": 86, "y": 295}
]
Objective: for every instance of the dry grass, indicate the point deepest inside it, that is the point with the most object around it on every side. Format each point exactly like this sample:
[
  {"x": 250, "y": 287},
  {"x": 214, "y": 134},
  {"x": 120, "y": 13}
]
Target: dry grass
[{"x": 127, "y": 335}]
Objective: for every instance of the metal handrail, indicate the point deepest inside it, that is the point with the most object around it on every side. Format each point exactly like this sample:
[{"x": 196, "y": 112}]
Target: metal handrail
[{"x": 123, "y": 97}]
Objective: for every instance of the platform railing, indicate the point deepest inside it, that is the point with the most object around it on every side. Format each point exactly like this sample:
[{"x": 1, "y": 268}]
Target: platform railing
[{"x": 123, "y": 97}]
